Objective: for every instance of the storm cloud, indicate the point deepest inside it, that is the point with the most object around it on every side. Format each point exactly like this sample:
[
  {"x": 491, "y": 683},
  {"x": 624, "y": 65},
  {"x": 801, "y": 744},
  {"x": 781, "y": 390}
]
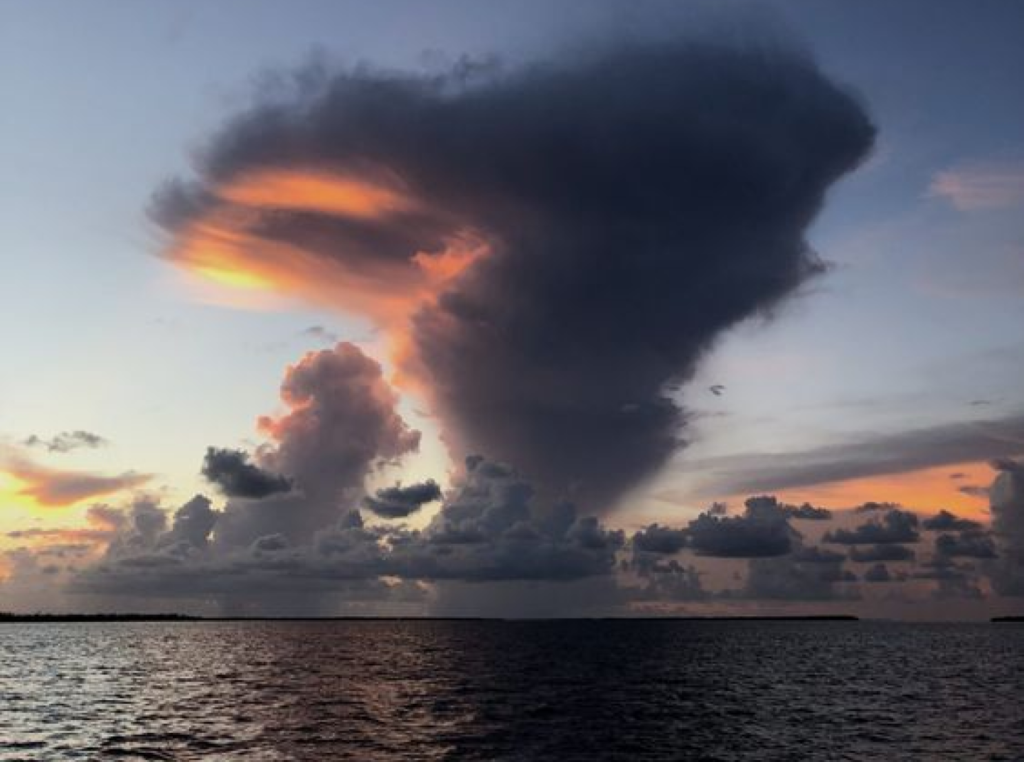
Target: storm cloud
[
  {"x": 895, "y": 526},
  {"x": 965, "y": 545},
  {"x": 944, "y": 521},
  {"x": 762, "y": 531},
  {"x": 796, "y": 579},
  {"x": 1007, "y": 504},
  {"x": 551, "y": 249},
  {"x": 398, "y": 502},
  {"x": 659, "y": 539},
  {"x": 237, "y": 477},
  {"x": 883, "y": 552}
]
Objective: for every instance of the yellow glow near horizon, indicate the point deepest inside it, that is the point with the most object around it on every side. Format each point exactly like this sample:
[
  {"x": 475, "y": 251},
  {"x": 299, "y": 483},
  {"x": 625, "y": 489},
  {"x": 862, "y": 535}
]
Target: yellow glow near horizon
[{"x": 13, "y": 492}]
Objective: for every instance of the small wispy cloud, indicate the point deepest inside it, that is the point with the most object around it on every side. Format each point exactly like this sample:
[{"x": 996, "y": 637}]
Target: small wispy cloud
[
  {"x": 66, "y": 441},
  {"x": 981, "y": 185},
  {"x": 320, "y": 333}
]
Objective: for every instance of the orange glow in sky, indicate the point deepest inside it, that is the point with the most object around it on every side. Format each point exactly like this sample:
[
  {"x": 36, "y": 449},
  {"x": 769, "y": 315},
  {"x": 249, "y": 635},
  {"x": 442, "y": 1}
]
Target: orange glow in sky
[
  {"x": 928, "y": 490},
  {"x": 15, "y": 491},
  {"x": 314, "y": 192}
]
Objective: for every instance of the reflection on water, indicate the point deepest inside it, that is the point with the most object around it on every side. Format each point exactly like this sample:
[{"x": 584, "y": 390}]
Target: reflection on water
[{"x": 511, "y": 690}]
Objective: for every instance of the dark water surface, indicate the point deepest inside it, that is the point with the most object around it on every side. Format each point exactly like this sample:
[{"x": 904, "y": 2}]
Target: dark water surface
[{"x": 511, "y": 690}]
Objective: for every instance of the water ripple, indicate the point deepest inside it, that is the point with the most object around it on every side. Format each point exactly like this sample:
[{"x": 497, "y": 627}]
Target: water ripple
[{"x": 510, "y": 690}]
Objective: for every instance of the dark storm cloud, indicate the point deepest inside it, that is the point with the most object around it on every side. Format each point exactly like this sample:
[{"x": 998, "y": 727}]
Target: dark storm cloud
[
  {"x": 399, "y": 502},
  {"x": 798, "y": 578},
  {"x": 66, "y": 441},
  {"x": 944, "y": 521},
  {"x": 763, "y": 530},
  {"x": 878, "y": 573},
  {"x": 635, "y": 201},
  {"x": 965, "y": 545},
  {"x": 952, "y": 580},
  {"x": 895, "y": 526},
  {"x": 660, "y": 539},
  {"x": 872, "y": 506},
  {"x": 891, "y": 454},
  {"x": 814, "y": 555},
  {"x": 890, "y": 552},
  {"x": 808, "y": 512},
  {"x": 232, "y": 472},
  {"x": 1007, "y": 505},
  {"x": 667, "y": 581}
]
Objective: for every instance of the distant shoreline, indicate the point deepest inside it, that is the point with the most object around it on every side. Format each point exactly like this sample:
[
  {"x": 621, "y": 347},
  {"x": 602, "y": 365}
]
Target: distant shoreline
[{"x": 71, "y": 618}]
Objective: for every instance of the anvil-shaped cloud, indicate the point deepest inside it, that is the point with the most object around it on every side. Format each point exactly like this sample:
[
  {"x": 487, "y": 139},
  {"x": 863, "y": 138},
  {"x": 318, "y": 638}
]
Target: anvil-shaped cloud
[{"x": 551, "y": 249}]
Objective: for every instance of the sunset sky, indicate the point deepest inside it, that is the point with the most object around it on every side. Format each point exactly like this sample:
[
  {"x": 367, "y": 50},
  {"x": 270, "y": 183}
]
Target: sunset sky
[{"x": 508, "y": 309}]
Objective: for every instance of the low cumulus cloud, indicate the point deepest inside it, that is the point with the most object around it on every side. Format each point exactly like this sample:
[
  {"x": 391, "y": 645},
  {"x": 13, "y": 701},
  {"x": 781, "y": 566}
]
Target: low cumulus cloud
[
  {"x": 66, "y": 441},
  {"x": 237, "y": 477},
  {"x": 489, "y": 529},
  {"x": 799, "y": 579},
  {"x": 548, "y": 250},
  {"x": 894, "y": 526},
  {"x": 1007, "y": 506},
  {"x": 944, "y": 521},
  {"x": 807, "y": 512},
  {"x": 763, "y": 530},
  {"x": 660, "y": 539},
  {"x": 398, "y": 502},
  {"x": 878, "y": 573},
  {"x": 965, "y": 545},
  {"x": 952, "y": 579},
  {"x": 491, "y": 532},
  {"x": 871, "y": 553}
]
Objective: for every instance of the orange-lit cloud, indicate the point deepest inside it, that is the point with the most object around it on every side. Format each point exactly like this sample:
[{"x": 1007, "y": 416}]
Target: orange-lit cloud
[
  {"x": 237, "y": 263},
  {"x": 28, "y": 484},
  {"x": 314, "y": 191},
  {"x": 227, "y": 246}
]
